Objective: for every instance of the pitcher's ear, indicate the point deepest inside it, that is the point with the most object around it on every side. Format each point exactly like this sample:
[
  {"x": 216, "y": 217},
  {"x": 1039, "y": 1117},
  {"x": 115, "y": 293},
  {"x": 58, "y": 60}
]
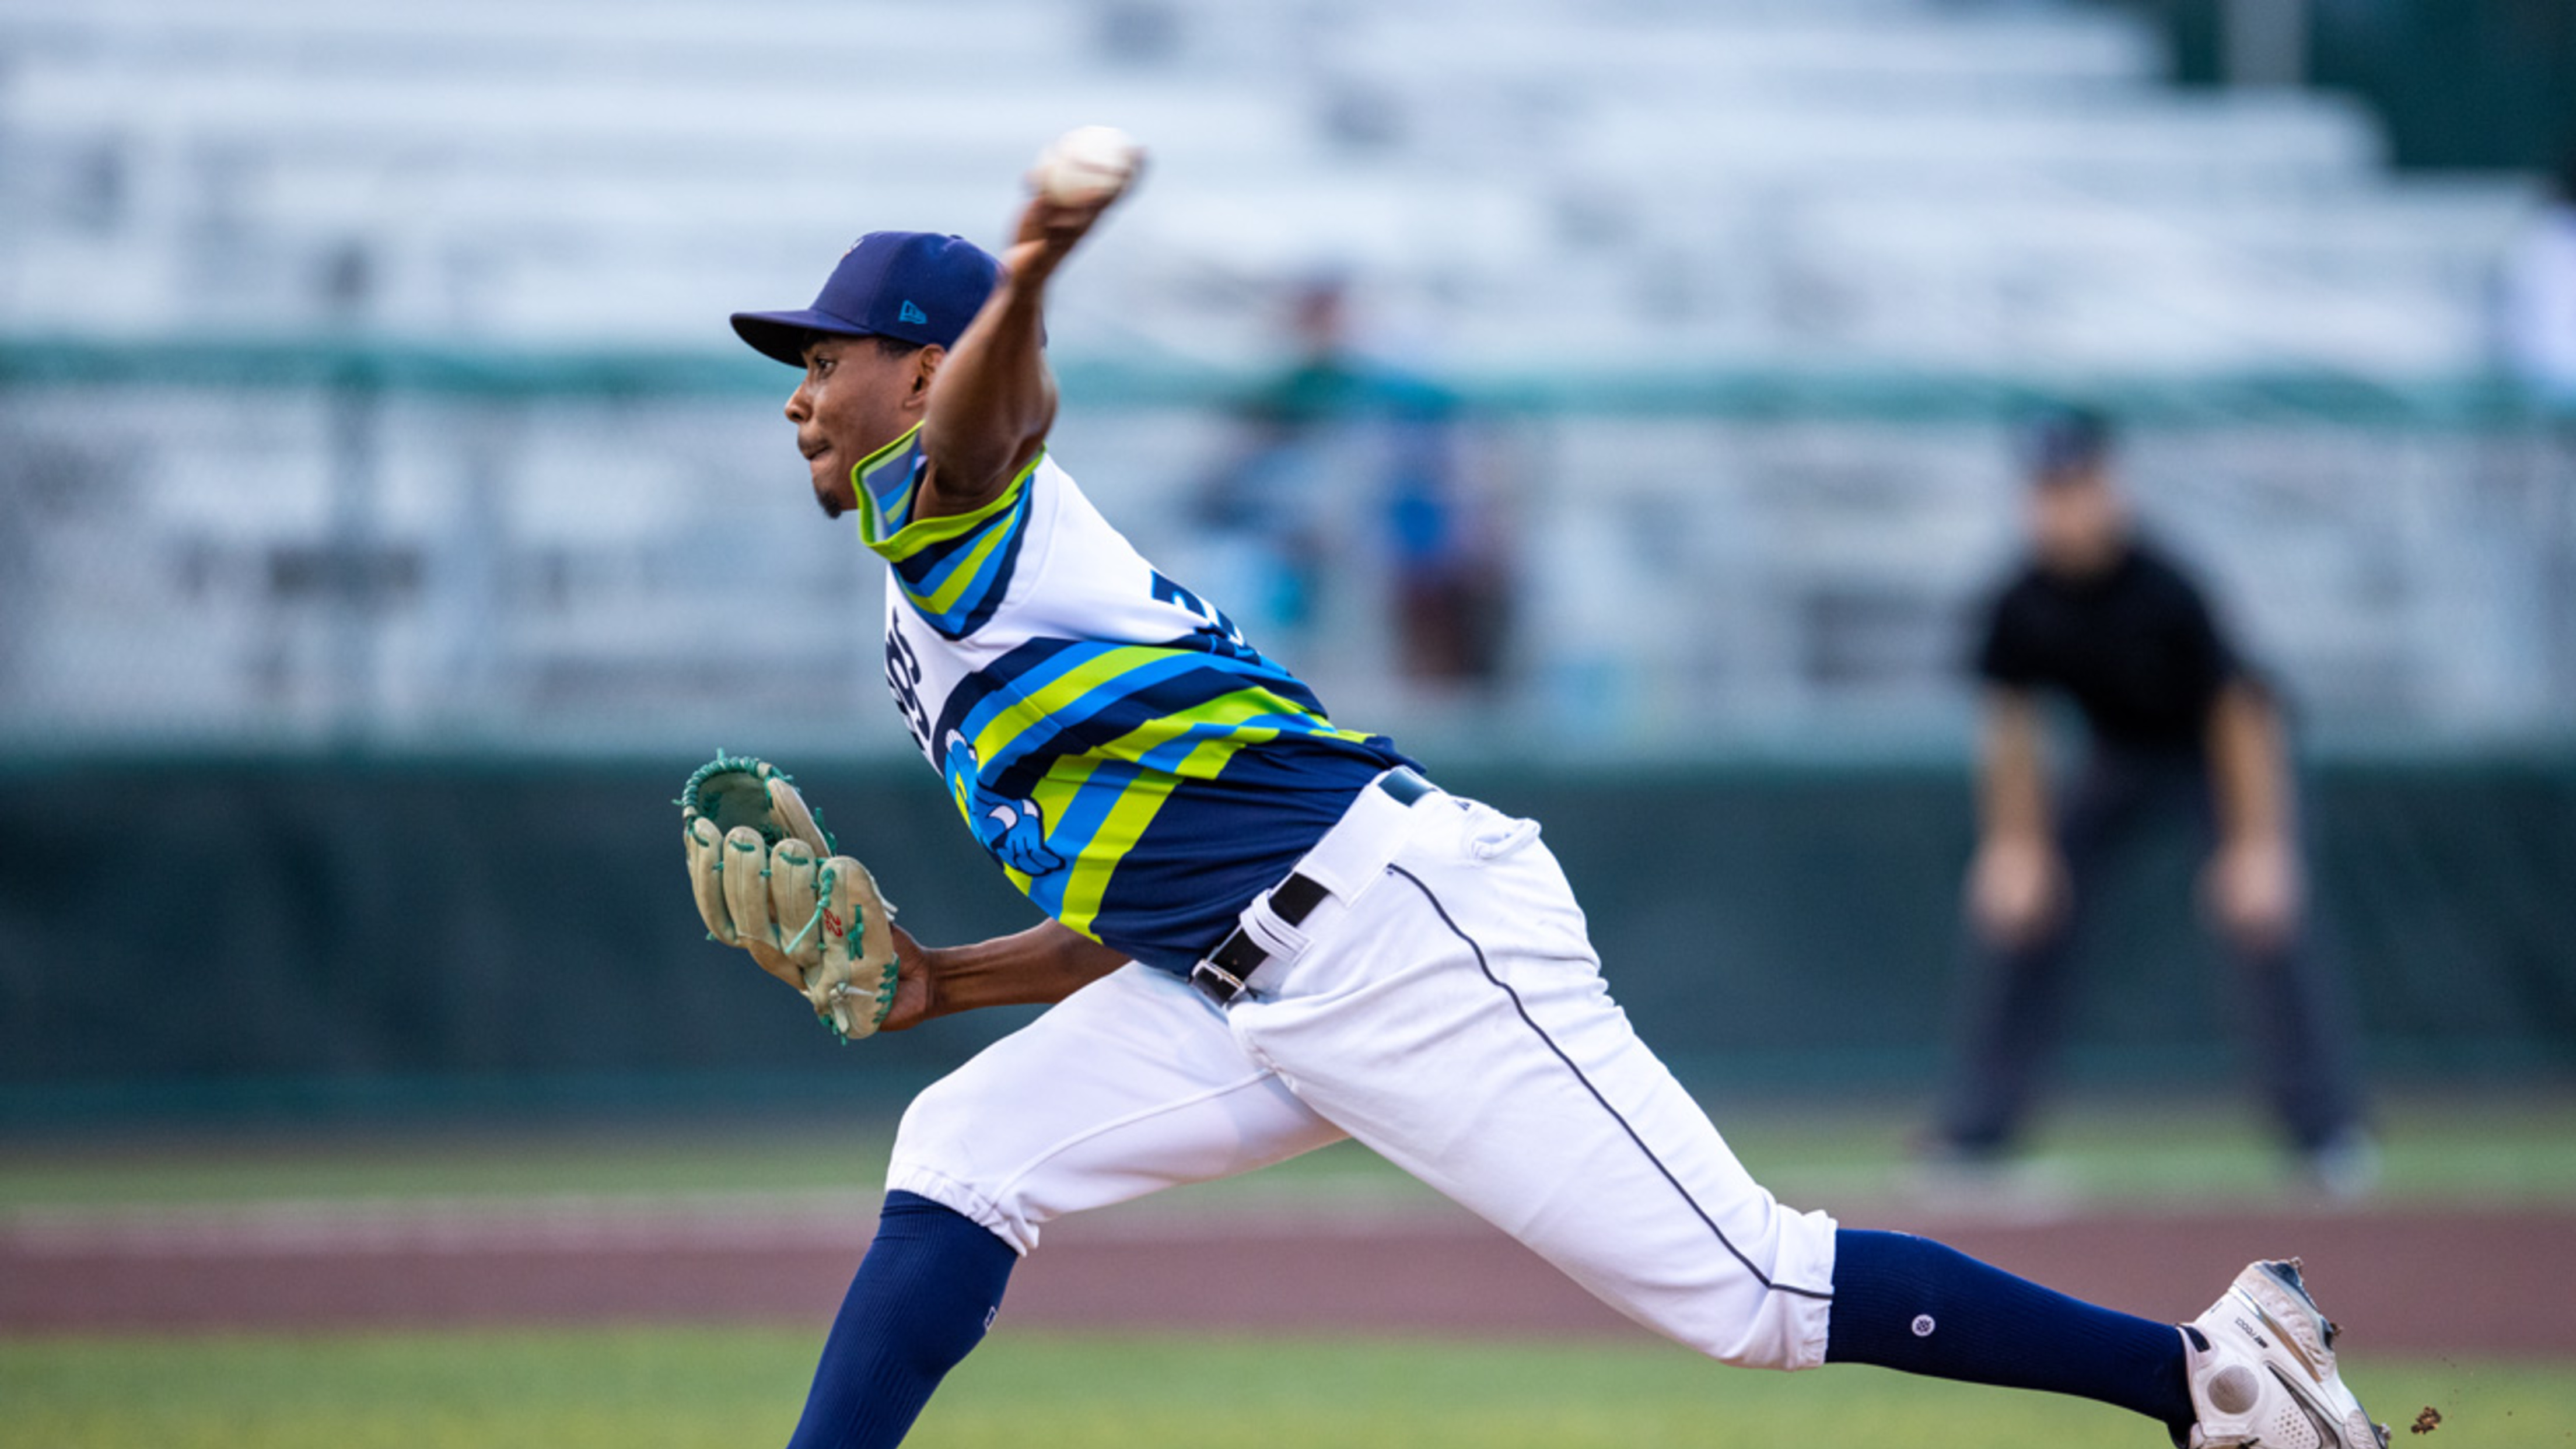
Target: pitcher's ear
[{"x": 925, "y": 366}]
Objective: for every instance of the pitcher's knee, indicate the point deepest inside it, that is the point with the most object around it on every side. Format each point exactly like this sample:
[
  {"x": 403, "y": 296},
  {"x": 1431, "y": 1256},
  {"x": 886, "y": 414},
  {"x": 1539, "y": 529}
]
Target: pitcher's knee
[{"x": 936, "y": 1156}]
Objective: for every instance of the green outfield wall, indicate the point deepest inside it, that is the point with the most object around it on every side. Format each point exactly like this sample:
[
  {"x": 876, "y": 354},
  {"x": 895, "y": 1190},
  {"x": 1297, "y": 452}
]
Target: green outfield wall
[
  {"x": 2458, "y": 83},
  {"x": 317, "y": 934}
]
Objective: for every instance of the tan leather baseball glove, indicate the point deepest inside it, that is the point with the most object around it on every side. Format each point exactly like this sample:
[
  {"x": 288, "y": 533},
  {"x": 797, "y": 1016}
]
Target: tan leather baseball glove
[{"x": 766, "y": 878}]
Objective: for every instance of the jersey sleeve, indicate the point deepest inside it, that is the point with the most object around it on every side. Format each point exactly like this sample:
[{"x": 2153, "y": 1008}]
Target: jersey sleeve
[
  {"x": 953, "y": 571},
  {"x": 2205, "y": 662},
  {"x": 2005, "y": 654}
]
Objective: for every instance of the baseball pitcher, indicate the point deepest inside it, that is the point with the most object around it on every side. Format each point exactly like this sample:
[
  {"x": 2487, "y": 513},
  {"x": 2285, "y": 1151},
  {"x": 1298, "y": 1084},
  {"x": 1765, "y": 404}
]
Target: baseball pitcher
[{"x": 1267, "y": 932}]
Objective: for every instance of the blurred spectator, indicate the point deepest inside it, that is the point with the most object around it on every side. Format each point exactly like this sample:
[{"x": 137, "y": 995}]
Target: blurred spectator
[
  {"x": 1453, "y": 585},
  {"x": 1263, "y": 509},
  {"x": 2178, "y": 726},
  {"x": 1267, "y": 511},
  {"x": 2539, "y": 322}
]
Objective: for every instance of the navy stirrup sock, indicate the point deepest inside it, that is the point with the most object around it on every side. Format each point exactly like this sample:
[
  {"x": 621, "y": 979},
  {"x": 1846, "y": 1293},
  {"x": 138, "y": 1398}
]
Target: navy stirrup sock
[
  {"x": 928, "y": 1287},
  {"x": 1909, "y": 1303}
]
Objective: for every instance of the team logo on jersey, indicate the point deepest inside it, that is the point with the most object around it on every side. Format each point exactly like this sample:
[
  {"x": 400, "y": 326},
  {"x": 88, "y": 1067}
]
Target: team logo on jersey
[
  {"x": 911, "y": 313},
  {"x": 1013, "y": 830}
]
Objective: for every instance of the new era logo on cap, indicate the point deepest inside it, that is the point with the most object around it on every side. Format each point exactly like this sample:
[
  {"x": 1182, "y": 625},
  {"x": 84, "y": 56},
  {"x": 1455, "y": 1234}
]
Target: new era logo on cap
[{"x": 911, "y": 313}]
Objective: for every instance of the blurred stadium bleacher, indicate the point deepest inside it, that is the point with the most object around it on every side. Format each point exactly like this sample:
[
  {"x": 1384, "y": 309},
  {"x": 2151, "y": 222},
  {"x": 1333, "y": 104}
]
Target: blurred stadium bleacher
[{"x": 363, "y": 373}]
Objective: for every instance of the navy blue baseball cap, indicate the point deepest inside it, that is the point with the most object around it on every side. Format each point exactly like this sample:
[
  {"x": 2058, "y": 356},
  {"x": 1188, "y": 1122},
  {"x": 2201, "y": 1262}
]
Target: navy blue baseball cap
[
  {"x": 915, "y": 285},
  {"x": 2058, "y": 444}
]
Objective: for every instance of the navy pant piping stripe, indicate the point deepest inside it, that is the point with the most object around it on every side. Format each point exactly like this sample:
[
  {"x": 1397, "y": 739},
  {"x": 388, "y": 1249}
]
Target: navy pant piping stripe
[{"x": 1550, "y": 1042}]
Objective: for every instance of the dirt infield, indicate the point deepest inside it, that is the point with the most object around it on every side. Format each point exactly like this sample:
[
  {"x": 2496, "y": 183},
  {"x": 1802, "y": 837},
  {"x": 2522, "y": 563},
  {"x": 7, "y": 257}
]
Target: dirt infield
[{"x": 2418, "y": 1282}]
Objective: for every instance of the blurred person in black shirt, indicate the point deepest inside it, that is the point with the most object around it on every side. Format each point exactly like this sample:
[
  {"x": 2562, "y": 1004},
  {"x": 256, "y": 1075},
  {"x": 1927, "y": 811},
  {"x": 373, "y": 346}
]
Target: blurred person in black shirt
[{"x": 2178, "y": 724}]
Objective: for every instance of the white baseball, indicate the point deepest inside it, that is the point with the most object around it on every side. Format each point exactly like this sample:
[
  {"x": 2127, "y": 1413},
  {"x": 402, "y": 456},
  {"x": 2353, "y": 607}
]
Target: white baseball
[{"x": 1087, "y": 163}]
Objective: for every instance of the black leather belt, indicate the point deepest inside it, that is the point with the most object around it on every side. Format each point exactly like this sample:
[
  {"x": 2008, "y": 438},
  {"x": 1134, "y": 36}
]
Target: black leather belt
[{"x": 1220, "y": 977}]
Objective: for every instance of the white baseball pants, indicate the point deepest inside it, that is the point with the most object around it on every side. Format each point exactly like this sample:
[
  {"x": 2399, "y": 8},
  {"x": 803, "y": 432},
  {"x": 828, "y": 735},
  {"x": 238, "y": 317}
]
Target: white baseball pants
[{"x": 1443, "y": 1006}]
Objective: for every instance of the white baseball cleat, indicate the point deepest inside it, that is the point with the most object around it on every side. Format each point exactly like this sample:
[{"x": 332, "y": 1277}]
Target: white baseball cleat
[{"x": 2262, "y": 1369}]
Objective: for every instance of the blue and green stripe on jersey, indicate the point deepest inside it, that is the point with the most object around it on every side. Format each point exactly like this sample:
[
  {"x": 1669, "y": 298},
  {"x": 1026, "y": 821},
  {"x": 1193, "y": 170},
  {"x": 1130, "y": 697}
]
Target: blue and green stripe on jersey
[
  {"x": 1102, "y": 736},
  {"x": 1175, "y": 779},
  {"x": 955, "y": 570}
]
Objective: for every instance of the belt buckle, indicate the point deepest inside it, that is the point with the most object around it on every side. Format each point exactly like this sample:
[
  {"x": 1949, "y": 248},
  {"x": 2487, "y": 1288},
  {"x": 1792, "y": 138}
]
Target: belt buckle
[{"x": 1216, "y": 983}]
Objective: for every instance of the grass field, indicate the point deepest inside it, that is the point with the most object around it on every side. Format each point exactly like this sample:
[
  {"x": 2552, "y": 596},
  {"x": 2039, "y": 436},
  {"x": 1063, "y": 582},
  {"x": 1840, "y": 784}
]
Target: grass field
[
  {"x": 2482, "y": 1150},
  {"x": 647, "y": 1389},
  {"x": 692, "y": 1385}
]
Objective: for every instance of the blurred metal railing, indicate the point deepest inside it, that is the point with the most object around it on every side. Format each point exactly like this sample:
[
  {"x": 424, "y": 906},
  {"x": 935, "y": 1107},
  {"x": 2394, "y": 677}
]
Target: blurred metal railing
[{"x": 208, "y": 545}]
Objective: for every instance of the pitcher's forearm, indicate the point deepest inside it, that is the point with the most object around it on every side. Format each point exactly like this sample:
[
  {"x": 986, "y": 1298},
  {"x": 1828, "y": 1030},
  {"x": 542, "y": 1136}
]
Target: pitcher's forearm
[{"x": 1036, "y": 967}]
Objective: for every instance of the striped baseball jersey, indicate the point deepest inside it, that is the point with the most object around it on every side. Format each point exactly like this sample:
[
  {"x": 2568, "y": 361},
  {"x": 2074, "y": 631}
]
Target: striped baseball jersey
[{"x": 1131, "y": 762}]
